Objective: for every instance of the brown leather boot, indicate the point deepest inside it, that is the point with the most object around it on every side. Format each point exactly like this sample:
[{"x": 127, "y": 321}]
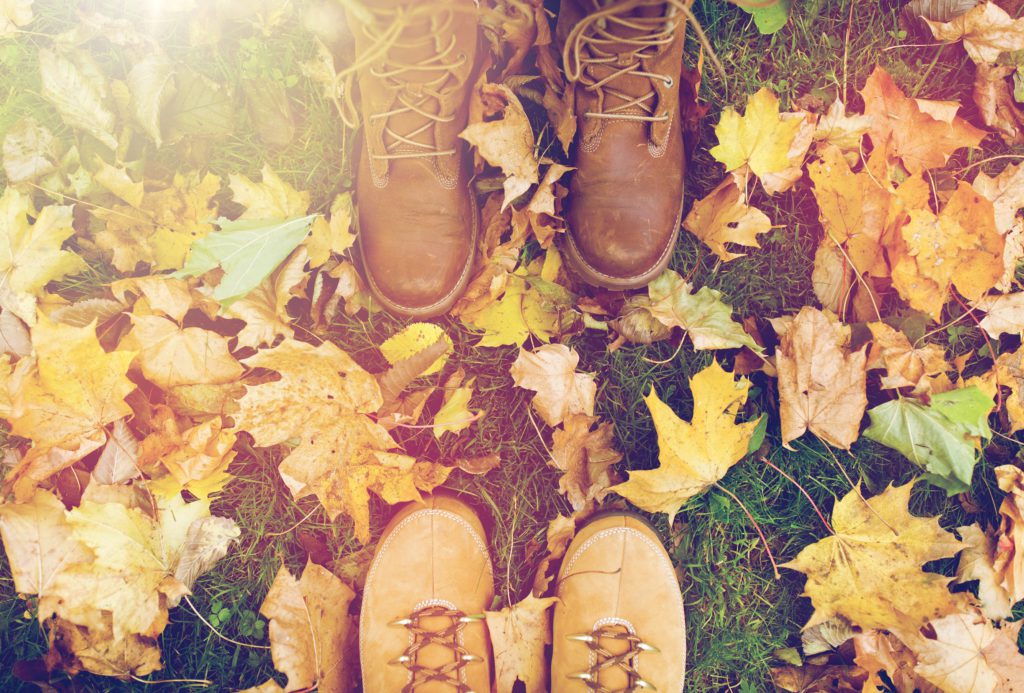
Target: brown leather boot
[
  {"x": 619, "y": 626},
  {"x": 418, "y": 221},
  {"x": 623, "y": 61},
  {"x": 421, "y": 628}
]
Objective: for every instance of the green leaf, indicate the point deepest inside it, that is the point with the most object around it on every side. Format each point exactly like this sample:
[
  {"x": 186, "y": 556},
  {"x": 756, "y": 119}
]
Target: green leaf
[
  {"x": 757, "y": 437},
  {"x": 940, "y": 437},
  {"x": 770, "y": 18},
  {"x": 248, "y": 251}
]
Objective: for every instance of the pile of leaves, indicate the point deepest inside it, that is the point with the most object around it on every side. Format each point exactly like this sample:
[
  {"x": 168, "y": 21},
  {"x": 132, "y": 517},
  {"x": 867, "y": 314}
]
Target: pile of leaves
[{"x": 127, "y": 405}]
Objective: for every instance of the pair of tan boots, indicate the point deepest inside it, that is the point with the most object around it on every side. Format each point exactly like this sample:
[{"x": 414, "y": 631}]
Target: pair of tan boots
[{"x": 618, "y": 624}]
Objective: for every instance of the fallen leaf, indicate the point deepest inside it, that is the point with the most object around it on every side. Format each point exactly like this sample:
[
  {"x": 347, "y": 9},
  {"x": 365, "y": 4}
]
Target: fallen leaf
[
  {"x": 994, "y": 95},
  {"x": 14, "y": 336},
  {"x": 196, "y": 457},
  {"x": 986, "y": 30},
  {"x": 31, "y": 254},
  {"x": 870, "y": 573},
  {"x": 819, "y": 678},
  {"x": 550, "y": 371},
  {"x": 540, "y": 214},
  {"x": 164, "y": 295},
  {"x": 152, "y": 85},
  {"x": 265, "y": 308},
  {"x": 831, "y": 277},
  {"x": 75, "y": 648},
  {"x": 1004, "y": 313},
  {"x": 309, "y": 626},
  {"x": 584, "y": 456},
  {"x": 270, "y": 199},
  {"x": 333, "y": 236},
  {"x": 725, "y": 217},
  {"x": 977, "y": 562},
  {"x": 705, "y": 318},
  {"x": 942, "y": 437},
  {"x": 506, "y": 141},
  {"x": 14, "y": 14},
  {"x": 693, "y": 455},
  {"x": 879, "y": 651},
  {"x": 66, "y": 398},
  {"x": 518, "y": 636},
  {"x": 119, "y": 460},
  {"x": 478, "y": 465},
  {"x": 822, "y": 386},
  {"x": 247, "y": 251},
  {"x": 900, "y": 125},
  {"x": 454, "y": 414},
  {"x": 414, "y": 338},
  {"x": 169, "y": 355},
  {"x": 759, "y": 139},
  {"x": 836, "y": 129},
  {"x": 905, "y": 365},
  {"x": 29, "y": 150},
  {"x": 77, "y": 88},
  {"x": 1005, "y": 192},
  {"x": 969, "y": 655}
]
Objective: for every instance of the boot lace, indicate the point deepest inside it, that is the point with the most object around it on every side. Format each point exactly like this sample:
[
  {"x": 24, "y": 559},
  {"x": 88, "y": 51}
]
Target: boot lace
[
  {"x": 450, "y": 637},
  {"x": 386, "y": 31},
  {"x": 604, "y": 660},
  {"x": 593, "y": 55}
]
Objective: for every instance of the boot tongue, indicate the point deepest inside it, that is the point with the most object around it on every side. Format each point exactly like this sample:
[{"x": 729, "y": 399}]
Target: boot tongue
[{"x": 654, "y": 11}]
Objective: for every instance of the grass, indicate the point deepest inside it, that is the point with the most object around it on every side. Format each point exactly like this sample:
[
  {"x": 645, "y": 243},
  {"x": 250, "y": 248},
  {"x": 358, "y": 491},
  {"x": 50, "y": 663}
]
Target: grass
[{"x": 738, "y": 614}]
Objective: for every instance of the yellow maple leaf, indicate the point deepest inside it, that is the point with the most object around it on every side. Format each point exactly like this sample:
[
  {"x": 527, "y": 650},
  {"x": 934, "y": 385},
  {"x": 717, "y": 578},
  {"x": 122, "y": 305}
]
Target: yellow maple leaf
[
  {"x": 331, "y": 236},
  {"x": 63, "y": 404},
  {"x": 169, "y": 355},
  {"x": 760, "y": 138},
  {"x": 870, "y": 573},
  {"x": 518, "y": 636},
  {"x": 725, "y": 217},
  {"x": 30, "y": 254},
  {"x": 159, "y": 230},
  {"x": 696, "y": 454},
  {"x": 272, "y": 198}
]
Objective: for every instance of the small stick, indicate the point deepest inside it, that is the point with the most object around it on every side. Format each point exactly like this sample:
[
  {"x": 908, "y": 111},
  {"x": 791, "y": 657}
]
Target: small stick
[{"x": 764, "y": 541}]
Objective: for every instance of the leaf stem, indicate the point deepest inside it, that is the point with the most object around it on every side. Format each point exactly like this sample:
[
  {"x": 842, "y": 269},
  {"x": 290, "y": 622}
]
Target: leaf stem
[
  {"x": 803, "y": 491},
  {"x": 764, "y": 541}
]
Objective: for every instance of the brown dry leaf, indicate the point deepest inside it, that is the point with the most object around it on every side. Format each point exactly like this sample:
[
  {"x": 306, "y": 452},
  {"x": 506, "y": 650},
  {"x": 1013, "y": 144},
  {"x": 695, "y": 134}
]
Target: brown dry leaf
[
  {"x": 725, "y": 217},
  {"x": 693, "y": 454},
  {"x": 831, "y": 277},
  {"x": 977, "y": 562},
  {"x": 478, "y": 465},
  {"x": 560, "y": 532},
  {"x": 309, "y": 626},
  {"x": 906, "y": 131},
  {"x": 905, "y": 365},
  {"x": 1005, "y": 192},
  {"x": 1008, "y": 371},
  {"x": 584, "y": 456},
  {"x": 506, "y": 141},
  {"x": 818, "y": 678},
  {"x": 878, "y": 651},
  {"x": 965, "y": 653},
  {"x": 265, "y": 308},
  {"x": 495, "y": 260},
  {"x": 836, "y": 129},
  {"x": 518, "y": 636},
  {"x": 333, "y": 236},
  {"x": 197, "y": 458},
  {"x": 550, "y": 371},
  {"x": 169, "y": 355},
  {"x": 960, "y": 248},
  {"x": 986, "y": 30},
  {"x": 822, "y": 387},
  {"x": 157, "y": 229},
  {"x": 540, "y": 215},
  {"x": 870, "y": 573},
  {"x": 75, "y": 648},
  {"x": 64, "y": 400},
  {"x": 164, "y": 295},
  {"x": 1005, "y": 313},
  {"x": 323, "y": 399},
  {"x": 993, "y": 94}
]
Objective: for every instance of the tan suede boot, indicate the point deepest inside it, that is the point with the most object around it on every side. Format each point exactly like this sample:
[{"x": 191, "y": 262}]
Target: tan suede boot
[
  {"x": 418, "y": 221},
  {"x": 421, "y": 627},
  {"x": 623, "y": 61},
  {"x": 619, "y": 626}
]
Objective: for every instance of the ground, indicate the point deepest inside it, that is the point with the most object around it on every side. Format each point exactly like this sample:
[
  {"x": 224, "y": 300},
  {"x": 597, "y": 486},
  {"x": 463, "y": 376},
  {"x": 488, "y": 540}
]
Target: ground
[{"x": 738, "y": 613}]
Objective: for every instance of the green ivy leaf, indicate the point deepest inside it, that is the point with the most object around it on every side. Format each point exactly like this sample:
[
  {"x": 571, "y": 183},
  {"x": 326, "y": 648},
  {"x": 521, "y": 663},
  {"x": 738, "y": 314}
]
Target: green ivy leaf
[{"x": 940, "y": 438}]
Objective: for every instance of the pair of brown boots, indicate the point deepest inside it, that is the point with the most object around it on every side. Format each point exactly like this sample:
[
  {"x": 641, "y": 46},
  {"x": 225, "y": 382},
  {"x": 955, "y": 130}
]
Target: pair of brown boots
[
  {"x": 618, "y": 625},
  {"x": 417, "y": 61}
]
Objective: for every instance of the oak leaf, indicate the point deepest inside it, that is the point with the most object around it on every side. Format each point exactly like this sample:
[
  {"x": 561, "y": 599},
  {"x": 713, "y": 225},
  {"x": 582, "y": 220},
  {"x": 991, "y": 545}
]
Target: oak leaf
[
  {"x": 550, "y": 371},
  {"x": 822, "y": 386},
  {"x": 693, "y": 455},
  {"x": 309, "y": 628},
  {"x": 584, "y": 456},
  {"x": 518, "y": 636},
  {"x": 986, "y": 30},
  {"x": 31, "y": 254},
  {"x": 725, "y": 217},
  {"x": 870, "y": 573},
  {"x": 906, "y": 131}
]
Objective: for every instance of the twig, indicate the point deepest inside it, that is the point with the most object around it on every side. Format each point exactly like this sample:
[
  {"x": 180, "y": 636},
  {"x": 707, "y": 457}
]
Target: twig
[
  {"x": 191, "y": 682},
  {"x": 286, "y": 531},
  {"x": 670, "y": 359},
  {"x": 846, "y": 46},
  {"x": 764, "y": 541}
]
